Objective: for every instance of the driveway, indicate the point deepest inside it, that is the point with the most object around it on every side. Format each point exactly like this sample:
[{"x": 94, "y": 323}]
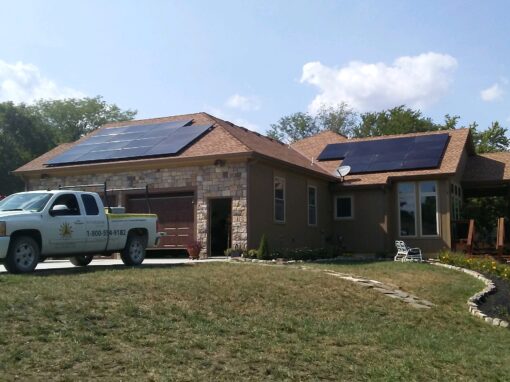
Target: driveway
[{"x": 112, "y": 263}]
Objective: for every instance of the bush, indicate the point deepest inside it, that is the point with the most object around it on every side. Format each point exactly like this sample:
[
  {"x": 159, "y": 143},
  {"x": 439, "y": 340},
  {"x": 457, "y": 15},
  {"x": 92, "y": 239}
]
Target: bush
[
  {"x": 263, "y": 251},
  {"x": 251, "y": 254},
  {"x": 481, "y": 264},
  {"x": 234, "y": 252},
  {"x": 309, "y": 253}
]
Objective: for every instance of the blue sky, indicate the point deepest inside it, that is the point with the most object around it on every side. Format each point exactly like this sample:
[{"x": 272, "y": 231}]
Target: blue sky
[{"x": 252, "y": 62}]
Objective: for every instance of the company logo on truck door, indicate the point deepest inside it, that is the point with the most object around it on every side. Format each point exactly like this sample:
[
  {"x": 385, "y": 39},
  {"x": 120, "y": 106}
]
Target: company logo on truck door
[{"x": 65, "y": 231}]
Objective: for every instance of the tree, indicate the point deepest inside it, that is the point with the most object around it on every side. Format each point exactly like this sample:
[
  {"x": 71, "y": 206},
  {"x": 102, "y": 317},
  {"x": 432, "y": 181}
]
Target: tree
[
  {"x": 27, "y": 132},
  {"x": 294, "y": 127},
  {"x": 72, "y": 118},
  {"x": 398, "y": 120},
  {"x": 23, "y": 136},
  {"x": 493, "y": 139},
  {"x": 340, "y": 119}
]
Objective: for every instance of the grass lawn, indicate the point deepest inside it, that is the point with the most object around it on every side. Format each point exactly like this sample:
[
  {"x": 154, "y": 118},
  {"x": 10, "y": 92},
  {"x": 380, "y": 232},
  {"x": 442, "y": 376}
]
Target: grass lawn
[{"x": 245, "y": 322}]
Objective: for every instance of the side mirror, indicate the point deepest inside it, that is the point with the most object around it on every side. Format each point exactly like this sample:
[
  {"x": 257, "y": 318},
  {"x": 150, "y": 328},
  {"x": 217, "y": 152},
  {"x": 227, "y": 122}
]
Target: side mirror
[{"x": 59, "y": 209}]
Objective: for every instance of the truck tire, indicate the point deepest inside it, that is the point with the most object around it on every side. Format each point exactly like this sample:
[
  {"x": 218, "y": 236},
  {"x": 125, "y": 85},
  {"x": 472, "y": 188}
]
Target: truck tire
[
  {"x": 81, "y": 260},
  {"x": 134, "y": 251},
  {"x": 23, "y": 255}
]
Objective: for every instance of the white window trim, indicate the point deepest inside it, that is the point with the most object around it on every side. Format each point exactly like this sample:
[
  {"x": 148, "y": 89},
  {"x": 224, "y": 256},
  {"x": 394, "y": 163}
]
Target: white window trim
[
  {"x": 436, "y": 194},
  {"x": 399, "y": 228},
  {"x": 351, "y": 197},
  {"x": 308, "y": 206},
  {"x": 282, "y": 181}
]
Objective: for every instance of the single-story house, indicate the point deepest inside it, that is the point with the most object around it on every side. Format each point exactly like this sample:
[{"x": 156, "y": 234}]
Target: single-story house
[{"x": 226, "y": 186}]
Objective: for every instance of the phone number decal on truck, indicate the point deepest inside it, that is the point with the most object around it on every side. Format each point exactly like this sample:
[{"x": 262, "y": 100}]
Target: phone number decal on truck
[{"x": 104, "y": 232}]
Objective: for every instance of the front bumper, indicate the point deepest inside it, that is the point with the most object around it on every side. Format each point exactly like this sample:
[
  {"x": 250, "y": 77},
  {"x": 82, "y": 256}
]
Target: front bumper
[{"x": 4, "y": 246}]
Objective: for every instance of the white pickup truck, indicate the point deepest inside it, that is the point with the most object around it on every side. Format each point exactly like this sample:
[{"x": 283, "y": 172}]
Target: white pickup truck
[{"x": 62, "y": 223}]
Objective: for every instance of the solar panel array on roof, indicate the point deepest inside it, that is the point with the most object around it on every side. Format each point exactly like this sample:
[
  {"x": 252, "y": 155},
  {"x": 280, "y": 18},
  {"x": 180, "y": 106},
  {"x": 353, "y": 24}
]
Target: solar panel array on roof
[
  {"x": 132, "y": 141},
  {"x": 391, "y": 154}
]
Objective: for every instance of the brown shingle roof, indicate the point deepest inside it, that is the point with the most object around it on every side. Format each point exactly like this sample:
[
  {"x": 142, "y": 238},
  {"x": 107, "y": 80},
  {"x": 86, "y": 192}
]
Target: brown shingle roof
[
  {"x": 459, "y": 140},
  {"x": 224, "y": 138},
  {"x": 488, "y": 168},
  {"x": 311, "y": 147}
]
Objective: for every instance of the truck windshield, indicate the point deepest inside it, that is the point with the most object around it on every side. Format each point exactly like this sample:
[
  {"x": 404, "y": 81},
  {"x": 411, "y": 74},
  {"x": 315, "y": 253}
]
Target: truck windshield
[{"x": 33, "y": 201}]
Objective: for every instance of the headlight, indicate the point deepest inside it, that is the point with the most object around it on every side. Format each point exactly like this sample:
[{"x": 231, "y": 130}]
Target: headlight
[{"x": 3, "y": 230}]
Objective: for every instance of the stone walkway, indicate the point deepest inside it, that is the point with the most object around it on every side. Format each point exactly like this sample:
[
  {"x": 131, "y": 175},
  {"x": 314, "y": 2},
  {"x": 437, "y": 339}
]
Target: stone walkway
[{"x": 388, "y": 290}]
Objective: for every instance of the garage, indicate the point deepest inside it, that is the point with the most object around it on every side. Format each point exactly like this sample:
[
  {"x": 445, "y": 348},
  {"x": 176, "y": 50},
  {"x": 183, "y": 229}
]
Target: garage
[{"x": 176, "y": 216}]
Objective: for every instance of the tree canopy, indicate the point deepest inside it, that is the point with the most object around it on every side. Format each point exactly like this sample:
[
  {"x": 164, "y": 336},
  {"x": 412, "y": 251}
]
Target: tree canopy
[
  {"x": 27, "y": 132},
  {"x": 340, "y": 119},
  {"x": 72, "y": 118},
  {"x": 397, "y": 120}
]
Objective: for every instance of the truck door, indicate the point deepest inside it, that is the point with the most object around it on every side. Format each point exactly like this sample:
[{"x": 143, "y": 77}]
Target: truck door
[
  {"x": 96, "y": 227},
  {"x": 65, "y": 231}
]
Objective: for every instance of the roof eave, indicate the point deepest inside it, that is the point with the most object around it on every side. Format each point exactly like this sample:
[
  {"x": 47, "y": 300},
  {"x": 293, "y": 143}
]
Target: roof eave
[{"x": 132, "y": 165}]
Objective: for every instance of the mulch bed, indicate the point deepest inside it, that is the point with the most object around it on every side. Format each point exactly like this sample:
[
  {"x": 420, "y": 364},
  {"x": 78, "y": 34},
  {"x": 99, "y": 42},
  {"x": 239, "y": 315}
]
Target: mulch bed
[{"x": 497, "y": 304}]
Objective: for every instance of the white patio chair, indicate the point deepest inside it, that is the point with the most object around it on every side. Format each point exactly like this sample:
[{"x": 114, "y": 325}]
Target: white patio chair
[{"x": 405, "y": 253}]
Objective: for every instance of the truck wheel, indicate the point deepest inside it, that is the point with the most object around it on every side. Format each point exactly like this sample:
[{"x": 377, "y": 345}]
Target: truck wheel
[
  {"x": 81, "y": 260},
  {"x": 134, "y": 252},
  {"x": 23, "y": 255}
]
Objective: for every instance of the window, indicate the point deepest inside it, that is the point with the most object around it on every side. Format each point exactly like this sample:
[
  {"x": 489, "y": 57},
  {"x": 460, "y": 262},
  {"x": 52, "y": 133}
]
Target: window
[
  {"x": 407, "y": 209},
  {"x": 90, "y": 204},
  {"x": 428, "y": 208},
  {"x": 279, "y": 199},
  {"x": 70, "y": 201},
  {"x": 312, "y": 205},
  {"x": 343, "y": 207}
]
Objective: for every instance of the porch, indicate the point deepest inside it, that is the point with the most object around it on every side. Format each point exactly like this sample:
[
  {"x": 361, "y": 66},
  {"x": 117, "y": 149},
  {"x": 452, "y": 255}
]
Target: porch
[{"x": 481, "y": 226}]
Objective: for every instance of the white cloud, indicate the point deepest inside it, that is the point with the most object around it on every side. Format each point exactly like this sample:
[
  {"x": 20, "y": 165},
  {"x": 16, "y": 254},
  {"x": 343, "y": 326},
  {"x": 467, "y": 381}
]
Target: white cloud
[
  {"x": 235, "y": 120},
  {"x": 22, "y": 82},
  {"x": 416, "y": 81},
  {"x": 492, "y": 93},
  {"x": 245, "y": 103}
]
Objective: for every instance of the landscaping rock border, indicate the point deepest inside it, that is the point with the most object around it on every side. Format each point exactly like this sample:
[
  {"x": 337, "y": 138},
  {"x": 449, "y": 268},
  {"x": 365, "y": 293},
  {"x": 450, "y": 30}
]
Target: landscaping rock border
[{"x": 474, "y": 300}]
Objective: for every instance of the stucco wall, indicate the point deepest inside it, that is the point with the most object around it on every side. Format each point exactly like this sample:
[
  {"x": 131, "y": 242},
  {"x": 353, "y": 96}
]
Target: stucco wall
[
  {"x": 366, "y": 231},
  {"x": 295, "y": 232},
  {"x": 208, "y": 181}
]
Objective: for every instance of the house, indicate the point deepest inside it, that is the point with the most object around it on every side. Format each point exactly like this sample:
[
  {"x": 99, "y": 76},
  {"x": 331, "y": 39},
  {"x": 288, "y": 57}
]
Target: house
[{"x": 226, "y": 186}]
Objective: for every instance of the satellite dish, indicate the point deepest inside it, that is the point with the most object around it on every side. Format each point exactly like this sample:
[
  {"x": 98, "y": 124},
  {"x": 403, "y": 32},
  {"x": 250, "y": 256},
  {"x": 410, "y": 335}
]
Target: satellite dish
[{"x": 343, "y": 171}]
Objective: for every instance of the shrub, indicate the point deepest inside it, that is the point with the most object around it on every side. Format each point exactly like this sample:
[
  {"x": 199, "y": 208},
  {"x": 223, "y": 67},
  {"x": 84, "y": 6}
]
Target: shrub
[
  {"x": 309, "y": 253},
  {"x": 251, "y": 254},
  {"x": 234, "y": 252},
  {"x": 482, "y": 264},
  {"x": 263, "y": 251}
]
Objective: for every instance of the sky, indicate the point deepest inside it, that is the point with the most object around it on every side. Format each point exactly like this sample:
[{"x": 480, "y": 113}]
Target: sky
[{"x": 252, "y": 62}]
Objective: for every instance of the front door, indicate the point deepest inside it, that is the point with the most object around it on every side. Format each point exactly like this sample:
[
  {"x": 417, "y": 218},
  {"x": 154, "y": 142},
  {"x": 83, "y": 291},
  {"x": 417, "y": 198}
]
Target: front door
[
  {"x": 66, "y": 231},
  {"x": 220, "y": 226}
]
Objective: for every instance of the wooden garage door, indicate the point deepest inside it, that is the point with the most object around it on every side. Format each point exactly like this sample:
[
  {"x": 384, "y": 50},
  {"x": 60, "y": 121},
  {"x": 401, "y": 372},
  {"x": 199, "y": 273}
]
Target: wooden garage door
[{"x": 175, "y": 214}]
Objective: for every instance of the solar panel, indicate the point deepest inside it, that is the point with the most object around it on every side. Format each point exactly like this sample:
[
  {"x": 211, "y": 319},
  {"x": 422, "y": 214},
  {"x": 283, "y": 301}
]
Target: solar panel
[
  {"x": 390, "y": 154},
  {"x": 135, "y": 141}
]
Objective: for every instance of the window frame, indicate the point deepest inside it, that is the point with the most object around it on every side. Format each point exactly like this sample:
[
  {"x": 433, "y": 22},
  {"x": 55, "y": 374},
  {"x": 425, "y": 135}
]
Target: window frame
[
  {"x": 283, "y": 182},
  {"x": 436, "y": 194},
  {"x": 335, "y": 210},
  {"x": 309, "y": 205},
  {"x": 91, "y": 197},
  {"x": 76, "y": 199},
  {"x": 399, "y": 227}
]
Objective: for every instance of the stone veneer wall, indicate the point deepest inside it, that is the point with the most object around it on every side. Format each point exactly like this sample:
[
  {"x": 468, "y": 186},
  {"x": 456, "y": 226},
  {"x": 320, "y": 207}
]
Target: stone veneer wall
[{"x": 209, "y": 181}]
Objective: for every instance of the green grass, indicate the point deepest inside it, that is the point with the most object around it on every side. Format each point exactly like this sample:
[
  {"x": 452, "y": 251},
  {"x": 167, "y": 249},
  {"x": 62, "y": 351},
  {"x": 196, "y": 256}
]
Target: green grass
[{"x": 245, "y": 322}]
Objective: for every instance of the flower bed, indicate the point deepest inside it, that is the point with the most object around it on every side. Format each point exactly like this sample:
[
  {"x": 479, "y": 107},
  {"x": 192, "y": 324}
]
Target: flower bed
[{"x": 482, "y": 264}]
